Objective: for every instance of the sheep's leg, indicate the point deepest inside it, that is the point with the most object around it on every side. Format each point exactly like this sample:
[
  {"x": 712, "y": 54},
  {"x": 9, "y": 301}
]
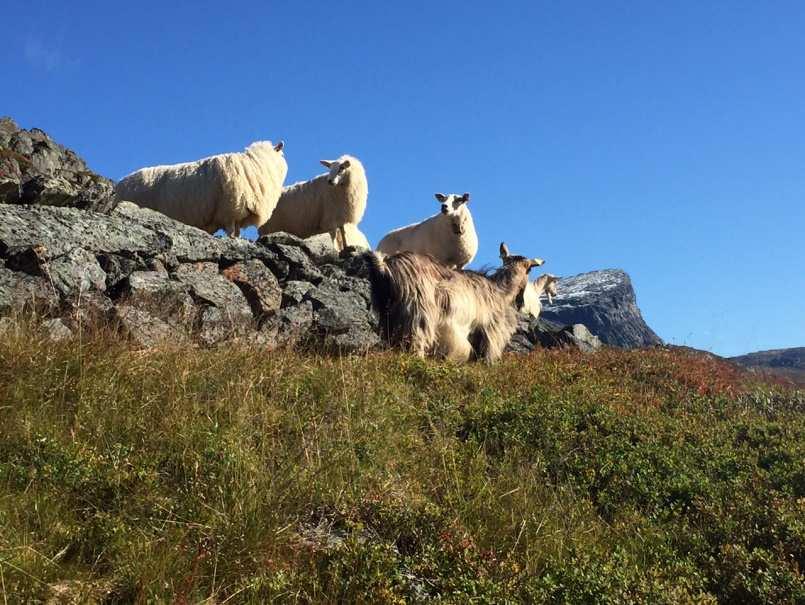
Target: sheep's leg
[{"x": 343, "y": 233}]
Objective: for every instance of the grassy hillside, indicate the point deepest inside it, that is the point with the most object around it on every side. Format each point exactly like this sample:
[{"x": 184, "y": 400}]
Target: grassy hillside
[{"x": 235, "y": 476}]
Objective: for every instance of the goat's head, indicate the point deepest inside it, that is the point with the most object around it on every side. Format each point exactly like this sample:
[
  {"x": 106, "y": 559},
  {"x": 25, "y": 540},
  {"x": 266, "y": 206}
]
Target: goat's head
[
  {"x": 339, "y": 170},
  {"x": 526, "y": 264},
  {"x": 455, "y": 207}
]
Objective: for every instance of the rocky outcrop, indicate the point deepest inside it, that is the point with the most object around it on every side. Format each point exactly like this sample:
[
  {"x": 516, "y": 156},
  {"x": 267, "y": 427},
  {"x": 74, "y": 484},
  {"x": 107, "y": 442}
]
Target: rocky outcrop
[
  {"x": 70, "y": 253},
  {"x": 34, "y": 169},
  {"x": 158, "y": 280},
  {"x": 604, "y": 302}
]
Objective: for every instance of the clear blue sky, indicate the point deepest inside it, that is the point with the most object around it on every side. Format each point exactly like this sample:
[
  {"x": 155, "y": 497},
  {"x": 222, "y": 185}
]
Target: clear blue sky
[{"x": 667, "y": 139}]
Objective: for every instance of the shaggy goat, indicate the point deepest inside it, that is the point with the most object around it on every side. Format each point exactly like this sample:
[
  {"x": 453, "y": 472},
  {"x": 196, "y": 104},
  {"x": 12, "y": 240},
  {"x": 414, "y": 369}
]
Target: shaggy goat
[
  {"x": 431, "y": 309},
  {"x": 529, "y": 301},
  {"x": 227, "y": 191},
  {"x": 448, "y": 236},
  {"x": 323, "y": 204}
]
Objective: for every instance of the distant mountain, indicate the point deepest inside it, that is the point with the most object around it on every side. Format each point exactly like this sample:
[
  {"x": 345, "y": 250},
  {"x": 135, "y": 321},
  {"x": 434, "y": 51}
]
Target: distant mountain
[
  {"x": 788, "y": 363},
  {"x": 605, "y": 302}
]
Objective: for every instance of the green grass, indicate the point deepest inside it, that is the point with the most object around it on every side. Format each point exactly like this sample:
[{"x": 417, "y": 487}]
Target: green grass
[{"x": 232, "y": 475}]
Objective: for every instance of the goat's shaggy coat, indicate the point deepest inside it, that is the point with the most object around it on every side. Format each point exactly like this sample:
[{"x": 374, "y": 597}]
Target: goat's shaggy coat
[
  {"x": 227, "y": 191},
  {"x": 448, "y": 237},
  {"x": 324, "y": 204},
  {"x": 529, "y": 302},
  {"x": 431, "y": 309}
]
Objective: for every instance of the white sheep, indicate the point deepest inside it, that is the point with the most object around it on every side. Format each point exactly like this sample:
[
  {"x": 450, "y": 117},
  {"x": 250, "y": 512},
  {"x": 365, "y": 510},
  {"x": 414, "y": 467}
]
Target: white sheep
[
  {"x": 324, "y": 204},
  {"x": 449, "y": 236},
  {"x": 227, "y": 191},
  {"x": 533, "y": 291}
]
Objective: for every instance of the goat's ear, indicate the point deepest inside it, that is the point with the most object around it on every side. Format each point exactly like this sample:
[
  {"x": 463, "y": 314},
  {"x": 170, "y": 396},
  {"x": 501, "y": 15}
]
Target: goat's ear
[
  {"x": 537, "y": 262},
  {"x": 441, "y": 197},
  {"x": 327, "y": 163},
  {"x": 279, "y": 146},
  {"x": 465, "y": 198},
  {"x": 345, "y": 164},
  {"x": 504, "y": 250}
]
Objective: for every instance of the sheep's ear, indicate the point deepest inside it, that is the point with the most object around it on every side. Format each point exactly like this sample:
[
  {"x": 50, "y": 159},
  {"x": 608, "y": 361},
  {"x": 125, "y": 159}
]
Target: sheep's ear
[
  {"x": 504, "y": 251},
  {"x": 441, "y": 197},
  {"x": 327, "y": 163},
  {"x": 465, "y": 198},
  {"x": 345, "y": 164},
  {"x": 279, "y": 146}
]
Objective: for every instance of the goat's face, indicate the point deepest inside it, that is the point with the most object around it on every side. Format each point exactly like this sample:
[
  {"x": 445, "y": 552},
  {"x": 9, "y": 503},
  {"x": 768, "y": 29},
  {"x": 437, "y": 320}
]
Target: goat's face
[
  {"x": 338, "y": 170},
  {"x": 455, "y": 207},
  {"x": 517, "y": 265}
]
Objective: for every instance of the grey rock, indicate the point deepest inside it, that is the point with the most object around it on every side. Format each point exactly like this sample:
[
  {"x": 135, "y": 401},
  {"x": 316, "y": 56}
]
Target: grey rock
[
  {"x": 294, "y": 291},
  {"x": 75, "y": 272},
  {"x": 143, "y": 328},
  {"x": 56, "y": 330},
  {"x": 289, "y": 327},
  {"x": 210, "y": 287},
  {"x": 20, "y": 292},
  {"x": 258, "y": 284},
  {"x": 604, "y": 301},
  {"x": 297, "y": 260},
  {"x": 542, "y": 333},
  {"x": 154, "y": 292},
  {"x": 34, "y": 169}
]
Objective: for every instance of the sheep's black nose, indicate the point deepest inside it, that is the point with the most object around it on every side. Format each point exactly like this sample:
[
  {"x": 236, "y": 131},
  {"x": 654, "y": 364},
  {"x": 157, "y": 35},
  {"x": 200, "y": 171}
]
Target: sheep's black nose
[{"x": 444, "y": 209}]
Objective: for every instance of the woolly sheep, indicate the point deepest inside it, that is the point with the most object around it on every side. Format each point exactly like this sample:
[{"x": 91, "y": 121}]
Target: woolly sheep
[
  {"x": 227, "y": 191},
  {"x": 449, "y": 236},
  {"x": 530, "y": 302},
  {"x": 324, "y": 204}
]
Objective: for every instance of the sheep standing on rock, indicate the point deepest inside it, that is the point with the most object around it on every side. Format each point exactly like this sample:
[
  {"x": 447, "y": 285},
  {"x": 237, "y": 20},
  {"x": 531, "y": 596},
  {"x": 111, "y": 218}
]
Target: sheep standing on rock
[
  {"x": 449, "y": 236},
  {"x": 227, "y": 191},
  {"x": 529, "y": 301},
  {"x": 324, "y": 204}
]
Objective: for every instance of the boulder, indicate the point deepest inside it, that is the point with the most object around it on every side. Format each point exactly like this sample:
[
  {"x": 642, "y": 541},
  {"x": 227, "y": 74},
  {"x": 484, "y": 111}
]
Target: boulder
[
  {"x": 34, "y": 169},
  {"x": 605, "y": 302}
]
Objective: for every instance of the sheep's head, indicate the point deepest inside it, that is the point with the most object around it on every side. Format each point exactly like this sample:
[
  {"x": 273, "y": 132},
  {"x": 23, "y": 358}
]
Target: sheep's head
[
  {"x": 455, "y": 207},
  {"x": 339, "y": 170}
]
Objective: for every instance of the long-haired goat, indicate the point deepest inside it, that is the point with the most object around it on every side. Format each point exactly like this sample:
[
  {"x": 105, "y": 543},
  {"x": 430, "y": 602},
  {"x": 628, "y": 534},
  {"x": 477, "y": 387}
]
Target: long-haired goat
[{"x": 431, "y": 309}]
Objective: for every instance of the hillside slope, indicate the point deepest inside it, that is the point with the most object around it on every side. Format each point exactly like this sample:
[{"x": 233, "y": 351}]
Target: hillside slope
[
  {"x": 211, "y": 475},
  {"x": 787, "y": 363}
]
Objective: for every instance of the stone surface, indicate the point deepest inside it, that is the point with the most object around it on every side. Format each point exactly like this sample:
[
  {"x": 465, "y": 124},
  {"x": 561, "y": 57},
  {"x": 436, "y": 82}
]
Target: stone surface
[
  {"x": 34, "y": 169},
  {"x": 541, "y": 333},
  {"x": 604, "y": 301},
  {"x": 258, "y": 284}
]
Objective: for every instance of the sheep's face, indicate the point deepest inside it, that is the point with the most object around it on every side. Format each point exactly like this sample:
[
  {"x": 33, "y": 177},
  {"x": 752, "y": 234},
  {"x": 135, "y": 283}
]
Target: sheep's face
[
  {"x": 338, "y": 171},
  {"x": 455, "y": 207}
]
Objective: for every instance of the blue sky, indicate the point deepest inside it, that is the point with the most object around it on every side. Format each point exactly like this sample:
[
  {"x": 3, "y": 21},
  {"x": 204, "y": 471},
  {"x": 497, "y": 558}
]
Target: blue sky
[{"x": 667, "y": 139}]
